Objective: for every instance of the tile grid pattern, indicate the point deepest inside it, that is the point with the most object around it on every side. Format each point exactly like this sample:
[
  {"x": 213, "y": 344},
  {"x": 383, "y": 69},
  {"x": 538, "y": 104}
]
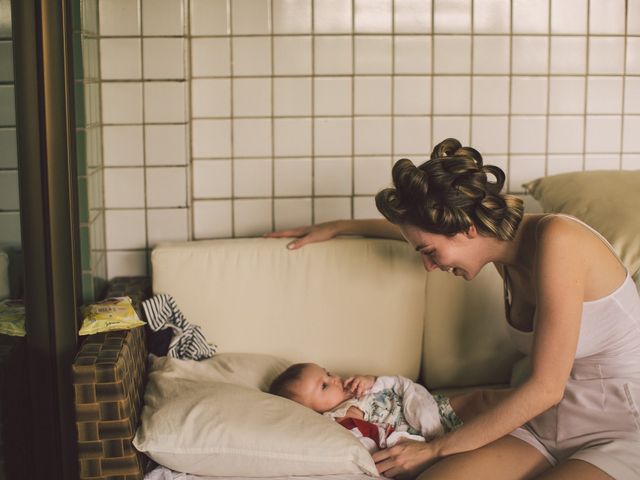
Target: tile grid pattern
[{"x": 541, "y": 86}]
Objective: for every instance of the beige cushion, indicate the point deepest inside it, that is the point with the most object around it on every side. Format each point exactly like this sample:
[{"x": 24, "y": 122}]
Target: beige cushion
[
  {"x": 4, "y": 275},
  {"x": 352, "y": 305},
  {"x": 465, "y": 339},
  {"x": 606, "y": 200},
  {"x": 209, "y": 418}
]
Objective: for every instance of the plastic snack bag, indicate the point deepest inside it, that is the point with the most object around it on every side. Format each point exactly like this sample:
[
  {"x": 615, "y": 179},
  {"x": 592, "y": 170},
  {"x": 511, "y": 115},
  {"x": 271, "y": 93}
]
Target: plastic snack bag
[
  {"x": 12, "y": 318},
  {"x": 111, "y": 314}
]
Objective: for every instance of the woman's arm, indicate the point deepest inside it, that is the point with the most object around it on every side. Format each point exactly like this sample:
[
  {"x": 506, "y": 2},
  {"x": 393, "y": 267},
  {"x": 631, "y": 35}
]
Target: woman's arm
[
  {"x": 560, "y": 270},
  {"x": 320, "y": 232}
]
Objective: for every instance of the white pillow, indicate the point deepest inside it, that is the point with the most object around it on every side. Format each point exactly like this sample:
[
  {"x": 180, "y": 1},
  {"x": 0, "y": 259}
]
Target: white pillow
[{"x": 210, "y": 418}]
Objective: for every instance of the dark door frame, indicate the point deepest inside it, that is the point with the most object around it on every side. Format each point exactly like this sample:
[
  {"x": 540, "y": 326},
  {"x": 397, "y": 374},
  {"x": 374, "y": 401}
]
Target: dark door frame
[{"x": 50, "y": 235}]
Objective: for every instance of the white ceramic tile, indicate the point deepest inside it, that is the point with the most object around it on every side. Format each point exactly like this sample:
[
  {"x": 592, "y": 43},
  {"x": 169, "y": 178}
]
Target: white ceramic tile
[
  {"x": 529, "y": 95},
  {"x": 566, "y": 134},
  {"x": 121, "y": 103},
  {"x": 557, "y": 164},
  {"x": 333, "y": 55},
  {"x": 530, "y": 55},
  {"x": 292, "y": 137},
  {"x": 569, "y": 16},
  {"x": 528, "y": 134},
  {"x": 252, "y": 218},
  {"x": 292, "y": 55},
  {"x": 126, "y": 264},
  {"x": 491, "y": 54},
  {"x": 606, "y": 55},
  {"x": 452, "y": 16},
  {"x": 412, "y": 95},
  {"x": 163, "y": 58},
  {"x": 209, "y": 17},
  {"x": 10, "y": 229},
  {"x": 292, "y": 177},
  {"x": 166, "y": 187},
  {"x": 332, "y": 16},
  {"x": 9, "y": 197},
  {"x": 164, "y": 102},
  {"x": 500, "y": 161},
  {"x": 166, "y": 145},
  {"x": 210, "y": 57},
  {"x": 211, "y": 97},
  {"x": 604, "y": 94},
  {"x": 371, "y": 174},
  {"x": 6, "y": 61},
  {"x": 490, "y": 134},
  {"x": 633, "y": 17},
  {"x": 120, "y": 58},
  {"x": 291, "y": 16},
  {"x": 292, "y": 96},
  {"x": 125, "y": 229},
  {"x": 163, "y": 17},
  {"x": 167, "y": 225},
  {"x": 411, "y": 135},
  {"x": 251, "y": 56},
  {"x": 122, "y": 145},
  {"x": 412, "y": 54},
  {"x": 252, "y": 97},
  {"x": 212, "y": 219},
  {"x": 332, "y": 95},
  {"x": 630, "y": 137},
  {"x": 211, "y": 138},
  {"x": 568, "y": 55},
  {"x": 566, "y": 95},
  {"x": 250, "y": 17},
  {"x": 373, "y": 54},
  {"x": 492, "y": 16},
  {"x": 327, "y": 209},
  {"x": 630, "y": 161},
  {"x": 603, "y": 133},
  {"x": 452, "y": 54},
  {"x": 412, "y": 16},
  {"x": 119, "y": 17},
  {"x": 211, "y": 178},
  {"x": 606, "y": 16},
  {"x": 372, "y": 135},
  {"x": 372, "y": 16},
  {"x": 445, "y": 127},
  {"x": 332, "y": 176},
  {"x": 525, "y": 168},
  {"x": 593, "y": 161},
  {"x": 451, "y": 95},
  {"x": 122, "y": 187},
  {"x": 291, "y": 212},
  {"x": 252, "y": 137},
  {"x": 633, "y": 56},
  {"x": 632, "y": 95},
  {"x": 530, "y": 16},
  {"x": 332, "y": 136},
  {"x": 8, "y": 147},
  {"x": 365, "y": 207},
  {"x": 372, "y": 95},
  {"x": 252, "y": 177}
]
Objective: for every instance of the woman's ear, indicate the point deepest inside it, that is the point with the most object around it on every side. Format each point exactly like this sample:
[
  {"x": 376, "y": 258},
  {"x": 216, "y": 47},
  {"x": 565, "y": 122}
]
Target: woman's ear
[{"x": 472, "y": 232}]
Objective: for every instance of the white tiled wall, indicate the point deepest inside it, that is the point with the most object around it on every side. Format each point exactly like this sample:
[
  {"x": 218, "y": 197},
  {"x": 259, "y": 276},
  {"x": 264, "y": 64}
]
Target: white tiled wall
[{"x": 233, "y": 117}]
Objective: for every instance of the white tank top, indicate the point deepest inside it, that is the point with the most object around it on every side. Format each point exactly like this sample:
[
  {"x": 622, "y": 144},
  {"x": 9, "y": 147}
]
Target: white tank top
[{"x": 609, "y": 328}]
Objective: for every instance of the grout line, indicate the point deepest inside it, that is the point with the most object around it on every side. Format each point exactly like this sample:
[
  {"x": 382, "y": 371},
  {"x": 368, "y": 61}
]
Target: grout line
[
  {"x": 313, "y": 114},
  {"x": 548, "y": 96},
  {"x": 144, "y": 141},
  {"x": 231, "y": 120},
  {"x": 188, "y": 128},
  {"x": 471, "y": 68},
  {"x": 353, "y": 106},
  {"x": 623, "y": 116},
  {"x": 272, "y": 119},
  {"x": 586, "y": 87},
  {"x": 432, "y": 76},
  {"x": 509, "y": 94}
]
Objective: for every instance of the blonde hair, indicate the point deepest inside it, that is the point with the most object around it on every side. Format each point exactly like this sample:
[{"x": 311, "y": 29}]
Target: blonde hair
[{"x": 451, "y": 192}]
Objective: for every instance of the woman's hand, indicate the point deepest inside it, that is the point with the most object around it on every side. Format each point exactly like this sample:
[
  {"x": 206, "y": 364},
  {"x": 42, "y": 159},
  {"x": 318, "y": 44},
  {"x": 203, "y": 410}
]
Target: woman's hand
[
  {"x": 308, "y": 234},
  {"x": 406, "y": 459},
  {"x": 358, "y": 385}
]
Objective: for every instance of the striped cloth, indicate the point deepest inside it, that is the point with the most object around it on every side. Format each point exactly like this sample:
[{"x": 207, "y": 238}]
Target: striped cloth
[{"x": 188, "y": 342}]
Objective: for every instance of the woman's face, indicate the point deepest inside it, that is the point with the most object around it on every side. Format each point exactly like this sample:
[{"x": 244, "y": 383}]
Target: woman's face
[{"x": 460, "y": 255}]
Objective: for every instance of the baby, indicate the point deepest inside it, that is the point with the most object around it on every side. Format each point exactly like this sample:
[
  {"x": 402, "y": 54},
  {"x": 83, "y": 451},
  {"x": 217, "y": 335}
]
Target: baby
[{"x": 378, "y": 410}]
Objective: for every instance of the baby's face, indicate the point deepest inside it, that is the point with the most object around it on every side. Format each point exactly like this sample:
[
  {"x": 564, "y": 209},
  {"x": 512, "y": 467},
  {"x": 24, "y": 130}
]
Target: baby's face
[{"x": 319, "y": 389}]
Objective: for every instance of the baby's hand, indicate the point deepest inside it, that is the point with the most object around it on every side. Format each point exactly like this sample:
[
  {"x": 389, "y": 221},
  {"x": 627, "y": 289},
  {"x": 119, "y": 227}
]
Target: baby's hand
[{"x": 358, "y": 385}]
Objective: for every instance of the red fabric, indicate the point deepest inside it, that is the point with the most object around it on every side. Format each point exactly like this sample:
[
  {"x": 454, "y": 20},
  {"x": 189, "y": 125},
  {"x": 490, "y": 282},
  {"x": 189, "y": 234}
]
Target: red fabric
[{"x": 367, "y": 429}]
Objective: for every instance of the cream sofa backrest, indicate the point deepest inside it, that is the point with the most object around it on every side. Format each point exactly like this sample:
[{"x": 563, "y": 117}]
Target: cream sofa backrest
[{"x": 353, "y": 305}]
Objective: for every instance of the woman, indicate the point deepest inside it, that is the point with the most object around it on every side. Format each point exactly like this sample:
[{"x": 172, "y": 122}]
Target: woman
[{"x": 570, "y": 304}]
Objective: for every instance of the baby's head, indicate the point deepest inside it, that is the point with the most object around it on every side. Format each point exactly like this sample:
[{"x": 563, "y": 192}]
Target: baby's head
[{"x": 310, "y": 385}]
